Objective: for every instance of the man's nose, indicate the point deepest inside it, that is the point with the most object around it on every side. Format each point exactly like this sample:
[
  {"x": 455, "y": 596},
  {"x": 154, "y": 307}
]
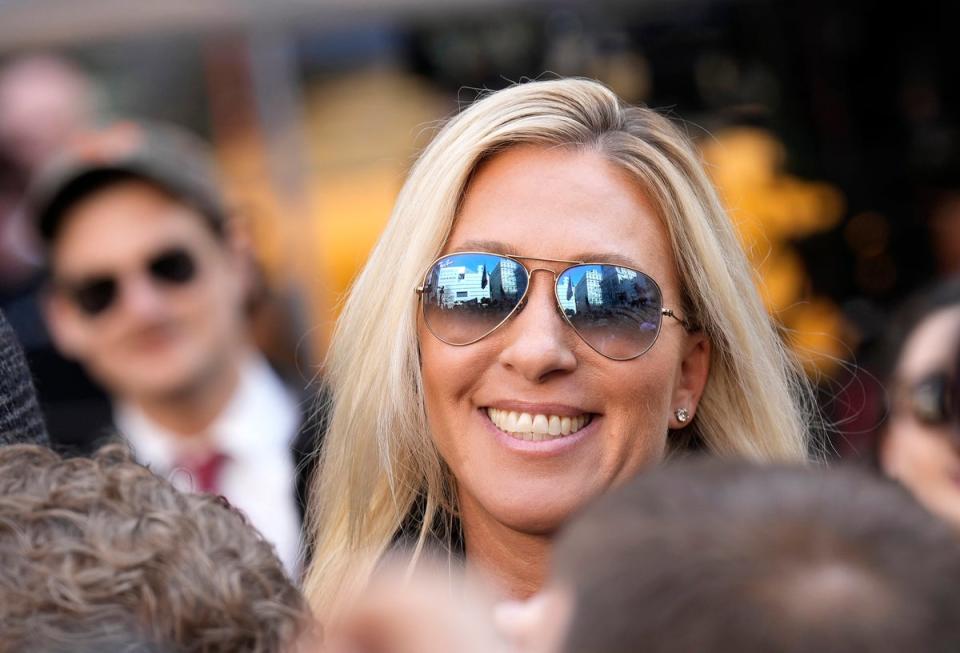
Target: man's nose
[
  {"x": 538, "y": 342},
  {"x": 141, "y": 296}
]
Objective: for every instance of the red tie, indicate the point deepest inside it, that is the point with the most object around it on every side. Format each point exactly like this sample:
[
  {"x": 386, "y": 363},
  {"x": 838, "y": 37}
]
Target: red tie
[{"x": 205, "y": 471}]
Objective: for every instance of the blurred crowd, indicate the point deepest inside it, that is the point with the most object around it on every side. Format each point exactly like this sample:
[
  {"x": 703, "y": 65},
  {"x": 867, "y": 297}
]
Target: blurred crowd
[{"x": 175, "y": 457}]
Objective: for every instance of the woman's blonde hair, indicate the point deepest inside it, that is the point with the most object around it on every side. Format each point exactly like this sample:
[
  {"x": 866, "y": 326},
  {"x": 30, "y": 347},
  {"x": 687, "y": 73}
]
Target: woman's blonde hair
[{"x": 379, "y": 466}]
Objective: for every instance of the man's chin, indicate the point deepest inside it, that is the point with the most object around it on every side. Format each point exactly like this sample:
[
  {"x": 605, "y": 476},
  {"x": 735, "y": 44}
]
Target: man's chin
[{"x": 171, "y": 386}]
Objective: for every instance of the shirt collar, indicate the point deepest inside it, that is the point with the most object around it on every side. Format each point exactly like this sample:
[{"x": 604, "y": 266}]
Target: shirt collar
[{"x": 261, "y": 415}]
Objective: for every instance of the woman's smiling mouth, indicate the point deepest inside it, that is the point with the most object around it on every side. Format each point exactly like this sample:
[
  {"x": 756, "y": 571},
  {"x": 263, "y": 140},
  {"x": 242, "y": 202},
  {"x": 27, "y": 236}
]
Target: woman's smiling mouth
[{"x": 536, "y": 427}]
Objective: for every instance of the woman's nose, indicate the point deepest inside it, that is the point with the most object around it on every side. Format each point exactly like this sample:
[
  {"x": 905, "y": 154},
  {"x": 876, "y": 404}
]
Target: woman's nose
[{"x": 537, "y": 341}]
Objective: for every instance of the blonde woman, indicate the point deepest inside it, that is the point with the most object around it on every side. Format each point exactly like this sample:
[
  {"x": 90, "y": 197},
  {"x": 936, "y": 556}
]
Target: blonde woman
[{"x": 558, "y": 302}]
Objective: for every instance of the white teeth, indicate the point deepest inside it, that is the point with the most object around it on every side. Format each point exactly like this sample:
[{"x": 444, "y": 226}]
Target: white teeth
[
  {"x": 526, "y": 426},
  {"x": 524, "y": 423},
  {"x": 554, "y": 427},
  {"x": 541, "y": 424}
]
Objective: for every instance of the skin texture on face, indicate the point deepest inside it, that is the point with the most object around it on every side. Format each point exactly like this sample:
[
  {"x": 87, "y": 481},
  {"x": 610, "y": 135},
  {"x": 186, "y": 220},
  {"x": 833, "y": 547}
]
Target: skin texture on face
[
  {"x": 157, "y": 341},
  {"x": 926, "y": 457},
  {"x": 558, "y": 204}
]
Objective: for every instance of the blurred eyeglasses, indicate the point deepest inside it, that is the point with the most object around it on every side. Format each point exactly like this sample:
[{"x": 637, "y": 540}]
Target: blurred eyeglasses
[
  {"x": 932, "y": 400},
  {"x": 96, "y": 294}
]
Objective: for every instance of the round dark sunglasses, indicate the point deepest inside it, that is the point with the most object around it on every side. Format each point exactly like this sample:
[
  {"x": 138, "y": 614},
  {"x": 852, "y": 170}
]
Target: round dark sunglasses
[
  {"x": 933, "y": 399},
  {"x": 94, "y": 295},
  {"x": 616, "y": 310}
]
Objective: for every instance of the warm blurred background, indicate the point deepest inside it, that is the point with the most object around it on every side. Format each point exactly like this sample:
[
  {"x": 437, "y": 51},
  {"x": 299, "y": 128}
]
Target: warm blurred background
[{"x": 831, "y": 129}]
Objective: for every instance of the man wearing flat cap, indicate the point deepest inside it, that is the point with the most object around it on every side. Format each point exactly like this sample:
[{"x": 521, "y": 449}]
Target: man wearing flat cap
[{"x": 148, "y": 288}]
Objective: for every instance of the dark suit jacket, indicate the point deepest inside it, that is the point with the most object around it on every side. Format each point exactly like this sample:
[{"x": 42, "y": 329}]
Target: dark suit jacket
[{"x": 98, "y": 429}]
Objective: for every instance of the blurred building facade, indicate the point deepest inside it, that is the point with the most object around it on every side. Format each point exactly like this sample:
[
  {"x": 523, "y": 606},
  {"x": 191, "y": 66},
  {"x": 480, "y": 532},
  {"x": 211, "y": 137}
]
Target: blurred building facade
[{"x": 831, "y": 128}]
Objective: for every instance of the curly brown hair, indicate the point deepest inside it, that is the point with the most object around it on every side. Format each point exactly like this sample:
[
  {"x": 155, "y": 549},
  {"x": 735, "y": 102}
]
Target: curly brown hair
[{"x": 100, "y": 554}]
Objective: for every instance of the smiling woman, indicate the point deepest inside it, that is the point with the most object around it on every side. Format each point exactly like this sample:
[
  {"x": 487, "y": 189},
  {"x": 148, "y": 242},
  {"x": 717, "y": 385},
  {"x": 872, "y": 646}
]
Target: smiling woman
[{"x": 558, "y": 302}]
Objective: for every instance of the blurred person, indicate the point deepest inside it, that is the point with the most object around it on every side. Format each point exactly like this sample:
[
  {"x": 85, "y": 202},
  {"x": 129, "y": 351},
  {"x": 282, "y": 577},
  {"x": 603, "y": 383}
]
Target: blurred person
[
  {"x": 20, "y": 417},
  {"x": 428, "y": 611},
  {"x": 148, "y": 285},
  {"x": 710, "y": 555},
  {"x": 45, "y": 101},
  {"x": 558, "y": 303},
  {"x": 100, "y": 551},
  {"x": 919, "y": 445}
]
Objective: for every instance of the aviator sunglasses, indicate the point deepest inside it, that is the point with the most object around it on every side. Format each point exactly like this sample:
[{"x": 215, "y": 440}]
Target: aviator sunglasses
[
  {"x": 616, "y": 310},
  {"x": 94, "y": 295}
]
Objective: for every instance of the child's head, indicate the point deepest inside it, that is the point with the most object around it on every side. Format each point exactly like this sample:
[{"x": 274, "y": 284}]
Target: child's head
[
  {"x": 94, "y": 551},
  {"x": 709, "y": 555}
]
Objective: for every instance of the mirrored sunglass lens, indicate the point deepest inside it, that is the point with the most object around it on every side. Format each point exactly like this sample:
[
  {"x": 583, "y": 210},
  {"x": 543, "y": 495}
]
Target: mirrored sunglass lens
[
  {"x": 174, "y": 266},
  {"x": 95, "y": 296},
  {"x": 466, "y": 296},
  {"x": 615, "y": 310}
]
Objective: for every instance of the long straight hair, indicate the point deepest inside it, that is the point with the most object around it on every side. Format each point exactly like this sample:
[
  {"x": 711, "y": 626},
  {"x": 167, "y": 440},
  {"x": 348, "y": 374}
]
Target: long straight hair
[{"x": 378, "y": 460}]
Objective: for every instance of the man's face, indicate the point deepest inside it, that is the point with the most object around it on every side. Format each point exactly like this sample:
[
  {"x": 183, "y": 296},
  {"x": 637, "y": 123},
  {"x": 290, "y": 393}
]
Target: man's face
[{"x": 173, "y": 318}]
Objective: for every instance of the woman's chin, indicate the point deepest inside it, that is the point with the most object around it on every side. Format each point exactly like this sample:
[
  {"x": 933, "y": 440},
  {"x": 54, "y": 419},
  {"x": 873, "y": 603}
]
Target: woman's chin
[{"x": 530, "y": 516}]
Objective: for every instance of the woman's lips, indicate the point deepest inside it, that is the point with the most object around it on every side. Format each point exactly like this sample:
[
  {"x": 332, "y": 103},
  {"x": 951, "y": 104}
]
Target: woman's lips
[{"x": 549, "y": 445}]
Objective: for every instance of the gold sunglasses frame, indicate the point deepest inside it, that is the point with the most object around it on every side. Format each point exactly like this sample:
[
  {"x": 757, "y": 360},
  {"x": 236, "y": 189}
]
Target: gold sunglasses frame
[{"x": 664, "y": 311}]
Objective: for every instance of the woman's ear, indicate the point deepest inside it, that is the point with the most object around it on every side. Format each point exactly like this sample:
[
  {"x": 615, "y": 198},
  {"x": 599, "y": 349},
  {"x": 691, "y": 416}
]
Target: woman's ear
[{"x": 692, "y": 379}]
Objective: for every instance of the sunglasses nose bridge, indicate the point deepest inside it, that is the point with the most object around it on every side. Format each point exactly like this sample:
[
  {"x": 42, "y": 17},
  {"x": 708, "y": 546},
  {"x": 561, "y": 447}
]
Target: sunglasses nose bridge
[
  {"x": 551, "y": 292},
  {"x": 530, "y": 275},
  {"x": 552, "y": 273},
  {"x": 139, "y": 293}
]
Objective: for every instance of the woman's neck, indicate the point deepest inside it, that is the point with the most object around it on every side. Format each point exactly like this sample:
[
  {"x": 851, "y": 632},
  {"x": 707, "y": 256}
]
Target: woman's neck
[{"x": 516, "y": 563}]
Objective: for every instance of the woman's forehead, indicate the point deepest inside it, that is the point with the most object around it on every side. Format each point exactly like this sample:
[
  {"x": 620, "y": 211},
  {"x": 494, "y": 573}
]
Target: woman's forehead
[{"x": 561, "y": 204}]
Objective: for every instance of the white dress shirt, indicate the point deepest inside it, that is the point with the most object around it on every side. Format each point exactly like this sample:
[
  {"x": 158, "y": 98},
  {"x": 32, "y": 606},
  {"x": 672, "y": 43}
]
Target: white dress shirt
[{"x": 255, "y": 431}]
